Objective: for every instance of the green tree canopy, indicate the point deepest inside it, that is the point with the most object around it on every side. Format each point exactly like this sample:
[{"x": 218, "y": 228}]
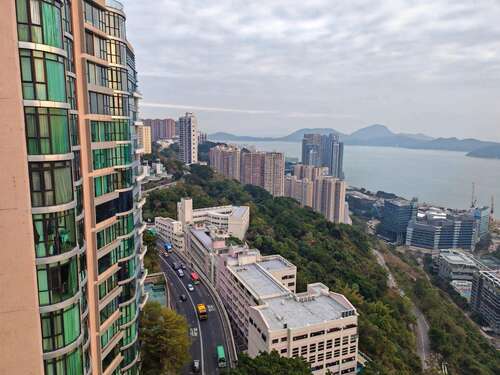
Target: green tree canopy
[
  {"x": 270, "y": 364},
  {"x": 164, "y": 340}
]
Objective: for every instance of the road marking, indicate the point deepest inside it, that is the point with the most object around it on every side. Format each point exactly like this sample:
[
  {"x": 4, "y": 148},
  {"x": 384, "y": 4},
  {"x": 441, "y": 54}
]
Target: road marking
[
  {"x": 197, "y": 320},
  {"x": 211, "y": 308},
  {"x": 193, "y": 332}
]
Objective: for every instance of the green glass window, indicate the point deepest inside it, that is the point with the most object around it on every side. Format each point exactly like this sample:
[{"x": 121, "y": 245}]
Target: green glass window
[
  {"x": 110, "y": 333},
  {"x": 104, "y": 131},
  {"x": 127, "y": 247},
  {"x": 39, "y": 21},
  {"x": 73, "y": 125},
  {"x": 70, "y": 60},
  {"x": 128, "y": 291},
  {"x": 79, "y": 199},
  {"x": 129, "y": 355},
  {"x": 51, "y": 183},
  {"x": 105, "y": 184},
  {"x": 60, "y": 328},
  {"x": 43, "y": 76},
  {"x": 106, "y": 236},
  {"x": 67, "y": 364},
  {"x": 128, "y": 313},
  {"x": 125, "y": 224},
  {"x": 57, "y": 281},
  {"x": 107, "y": 286},
  {"x": 54, "y": 233},
  {"x": 47, "y": 130},
  {"x": 127, "y": 269},
  {"x": 130, "y": 334},
  {"x": 108, "y": 310},
  {"x": 107, "y": 261},
  {"x": 71, "y": 88}
]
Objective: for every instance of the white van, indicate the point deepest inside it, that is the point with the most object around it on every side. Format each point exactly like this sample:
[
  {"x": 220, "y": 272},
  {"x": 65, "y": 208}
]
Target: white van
[{"x": 180, "y": 272}]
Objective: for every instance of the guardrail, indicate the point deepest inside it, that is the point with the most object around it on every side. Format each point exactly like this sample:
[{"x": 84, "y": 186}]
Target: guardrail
[{"x": 226, "y": 326}]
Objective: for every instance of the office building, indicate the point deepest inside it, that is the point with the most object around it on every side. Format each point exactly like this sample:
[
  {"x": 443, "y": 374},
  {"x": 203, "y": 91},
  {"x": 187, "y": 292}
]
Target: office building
[
  {"x": 455, "y": 265},
  {"x": 266, "y": 313},
  {"x": 485, "y": 297},
  {"x": 324, "y": 150},
  {"x": 396, "y": 216},
  {"x": 436, "y": 229},
  {"x": 264, "y": 169},
  {"x": 225, "y": 160},
  {"x": 233, "y": 219},
  {"x": 202, "y": 138},
  {"x": 188, "y": 139},
  {"x": 145, "y": 139},
  {"x": 161, "y": 128},
  {"x": 70, "y": 204}
]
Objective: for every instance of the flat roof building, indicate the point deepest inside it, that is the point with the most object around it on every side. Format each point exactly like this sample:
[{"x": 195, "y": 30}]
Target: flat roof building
[
  {"x": 485, "y": 297},
  {"x": 454, "y": 265}
]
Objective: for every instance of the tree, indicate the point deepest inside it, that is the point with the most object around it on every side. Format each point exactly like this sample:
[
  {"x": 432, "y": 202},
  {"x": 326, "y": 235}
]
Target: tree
[
  {"x": 270, "y": 364},
  {"x": 164, "y": 340},
  {"x": 151, "y": 261}
]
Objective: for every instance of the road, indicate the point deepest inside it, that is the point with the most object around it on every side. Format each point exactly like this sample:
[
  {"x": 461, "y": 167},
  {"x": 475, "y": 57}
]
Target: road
[
  {"x": 164, "y": 185},
  {"x": 205, "y": 335},
  {"x": 422, "y": 327}
]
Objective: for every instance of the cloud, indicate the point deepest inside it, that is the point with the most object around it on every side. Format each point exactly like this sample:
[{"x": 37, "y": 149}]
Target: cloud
[
  {"x": 206, "y": 109},
  {"x": 416, "y": 66}
]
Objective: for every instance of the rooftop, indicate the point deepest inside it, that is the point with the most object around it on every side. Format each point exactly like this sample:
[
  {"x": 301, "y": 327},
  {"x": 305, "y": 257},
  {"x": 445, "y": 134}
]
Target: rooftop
[
  {"x": 317, "y": 306},
  {"x": 259, "y": 281},
  {"x": 203, "y": 237},
  {"x": 458, "y": 258},
  {"x": 275, "y": 263}
]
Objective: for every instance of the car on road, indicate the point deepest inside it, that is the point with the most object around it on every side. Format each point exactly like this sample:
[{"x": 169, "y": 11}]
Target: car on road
[
  {"x": 190, "y": 287},
  {"x": 180, "y": 272},
  {"x": 183, "y": 298},
  {"x": 183, "y": 266},
  {"x": 196, "y": 366},
  {"x": 176, "y": 266}
]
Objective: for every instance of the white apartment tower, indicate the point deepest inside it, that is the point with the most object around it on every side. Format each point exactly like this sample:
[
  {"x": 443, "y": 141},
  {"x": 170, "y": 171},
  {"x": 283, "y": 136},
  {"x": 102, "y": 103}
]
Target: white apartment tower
[{"x": 188, "y": 138}]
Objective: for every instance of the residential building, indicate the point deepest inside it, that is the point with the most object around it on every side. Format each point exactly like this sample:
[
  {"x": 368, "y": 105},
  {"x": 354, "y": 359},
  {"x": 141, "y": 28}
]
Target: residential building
[
  {"x": 439, "y": 229},
  {"x": 300, "y": 190},
  {"x": 202, "y": 138},
  {"x": 311, "y": 154},
  {"x": 145, "y": 139},
  {"x": 233, "y": 219},
  {"x": 188, "y": 139},
  {"x": 485, "y": 297},
  {"x": 170, "y": 231},
  {"x": 225, "y": 160},
  {"x": 266, "y": 313},
  {"x": 264, "y": 169},
  {"x": 329, "y": 199},
  {"x": 274, "y": 173},
  {"x": 70, "y": 203},
  {"x": 161, "y": 128},
  {"x": 324, "y": 150},
  {"x": 396, "y": 216},
  {"x": 455, "y": 265},
  {"x": 310, "y": 172}
]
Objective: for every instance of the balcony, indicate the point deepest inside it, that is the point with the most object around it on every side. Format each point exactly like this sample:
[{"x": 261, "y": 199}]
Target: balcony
[{"x": 142, "y": 174}]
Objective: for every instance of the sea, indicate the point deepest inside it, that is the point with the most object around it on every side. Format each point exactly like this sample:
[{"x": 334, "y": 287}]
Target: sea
[{"x": 441, "y": 178}]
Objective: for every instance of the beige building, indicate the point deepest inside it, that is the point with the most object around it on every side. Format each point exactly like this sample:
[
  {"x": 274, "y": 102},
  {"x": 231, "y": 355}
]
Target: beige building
[
  {"x": 329, "y": 199},
  {"x": 300, "y": 190},
  {"x": 233, "y": 219},
  {"x": 145, "y": 139},
  {"x": 70, "y": 204},
  {"x": 264, "y": 169},
  {"x": 266, "y": 313},
  {"x": 302, "y": 171},
  {"x": 226, "y": 161},
  {"x": 170, "y": 231}
]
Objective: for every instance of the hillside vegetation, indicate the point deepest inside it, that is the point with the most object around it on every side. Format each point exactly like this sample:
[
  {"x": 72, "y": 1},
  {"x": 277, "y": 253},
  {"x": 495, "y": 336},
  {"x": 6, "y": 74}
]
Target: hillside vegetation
[{"x": 337, "y": 255}]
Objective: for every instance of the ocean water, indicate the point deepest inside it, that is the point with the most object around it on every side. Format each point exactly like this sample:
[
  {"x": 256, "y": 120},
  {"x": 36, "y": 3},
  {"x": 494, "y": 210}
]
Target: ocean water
[{"x": 438, "y": 177}]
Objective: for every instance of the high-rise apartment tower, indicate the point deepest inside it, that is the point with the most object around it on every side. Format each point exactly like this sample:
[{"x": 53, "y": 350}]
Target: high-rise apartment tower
[
  {"x": 188, "y": 139},
  {"x": 70, "y": 201}
]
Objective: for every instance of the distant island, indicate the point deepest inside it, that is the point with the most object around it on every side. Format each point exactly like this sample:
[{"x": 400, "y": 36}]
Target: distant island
[{"x": 380, "y": 135}]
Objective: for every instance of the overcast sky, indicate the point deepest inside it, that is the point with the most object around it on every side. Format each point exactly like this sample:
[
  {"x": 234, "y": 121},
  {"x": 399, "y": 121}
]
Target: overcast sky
[{"x": 273, "y": 66}]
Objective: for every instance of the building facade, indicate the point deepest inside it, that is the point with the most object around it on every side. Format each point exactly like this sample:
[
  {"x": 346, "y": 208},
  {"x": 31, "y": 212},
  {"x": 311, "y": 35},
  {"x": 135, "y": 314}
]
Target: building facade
[
  {"x": 72, "y": 200},
  {"x": 397, "y": 214},
  {"x": 161, "y": 128},
  {"x": 145, "y": 139},
  {"x": 300, "y": 190},
  {"x": 188, "y": 139},
  {"x": 454, "y": 265},
  {"x": 310, "y": 172},
  {"x": 329, "y": 199},
  {"x": 485, "y": 297},
  {"x": 264, "y": 169},
  {"x": 324, "y": 150},
  {"x": 311, "y": 149},
  {"x": 266, "y": 314},
  {"x": 226, "y": 161},
  {"x": 170, "y": 231}
]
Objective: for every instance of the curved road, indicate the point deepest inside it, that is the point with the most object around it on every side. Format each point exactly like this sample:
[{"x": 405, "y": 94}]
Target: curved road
[{"x": 205, "y": 335}]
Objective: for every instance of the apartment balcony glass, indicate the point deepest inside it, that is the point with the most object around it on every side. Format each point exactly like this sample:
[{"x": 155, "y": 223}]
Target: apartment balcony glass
[
  {"x": 51, "y": 183},
  {"x": 107, "y": 131},
  {"x": 47, "y": 131},
  {"x": 43, "y": 76},
  {"x": 70, "y": 363},
  {"x": 39, "y": 21},
  {"x": 54, "y": 233},
  {"x": 57, "y": 281},
  {"x": 60, "y": 328}
]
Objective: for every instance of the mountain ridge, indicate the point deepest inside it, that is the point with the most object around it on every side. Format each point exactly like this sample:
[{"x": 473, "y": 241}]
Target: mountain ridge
[{"x": 382, "y": 136}]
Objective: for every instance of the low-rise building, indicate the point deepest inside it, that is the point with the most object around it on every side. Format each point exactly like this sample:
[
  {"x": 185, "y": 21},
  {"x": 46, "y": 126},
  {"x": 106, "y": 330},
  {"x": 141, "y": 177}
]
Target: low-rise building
[
  {"x": 266, "y": 313},
  {"x": 170, "y": 231},
  {"x": 232, "y": 219},
  {"x": 455, "y": 265},
  {"x": 485, "y": 297}
]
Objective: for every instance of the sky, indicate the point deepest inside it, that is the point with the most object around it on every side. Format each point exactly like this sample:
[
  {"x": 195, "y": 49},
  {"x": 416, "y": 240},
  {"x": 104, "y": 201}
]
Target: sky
[{"x": 269, "y": 67}]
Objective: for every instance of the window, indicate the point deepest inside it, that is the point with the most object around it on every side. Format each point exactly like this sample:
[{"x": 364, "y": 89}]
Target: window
[
  {"x": 127, "y": 313},
  {"x": 106, "y": 236},
  {"x": 97, "y": 74},
  {"x": 99, "y": 103},
  {"x": 106, "y": 361},
  {"x": 70, "y": 363},
  {"x": 300, "y": 337},
  {"x": 117, "y": 78},
  {"x": 317, "y": 333},
  {"x": 130, "y": 334},
  {"x": 127, "y": 269},
  {"x": 108, "y": 335},
  {"x": 275, "y": 341},
  {"x": 115, "y": 25},
  {"x": 283, "y": 339},
  {"x": 107, "y": 261},
  {"x": 107, "y": 311},
  {"x": 352, "y": 349},
  {"x": 70, "y": 61},
  {"x": 334, "y": 329},
  {"x": 46, "y": 130},
  {"x": 345, "y": 340},
  {"x": 107, "y": 286},
  {"x": 71, "y": 90},
  {"x": 104, "y": 131},
  {"x": 283, "y": 351},
  {"x": 73, "y": 125},
  {"x": 60, "y": 328},
  {"x": 350, "y": 326},
  {"x": 117, "y": 52},
  {"x": 329, "y": 344},
  {"x": 119, "y": 105},
  {"x": 95, "y": 46},
  {"x": 121, "y": 155},
  {"x": 94, "y": 16},
  {"x": 39, "y": 21},
  {"x": 51, "y": 183},
  {"x": 54, "y": 233},
  {"x": 312, "y": 348},
  {"x": 128, "y": 291},
  {"x": 57, "y": 281},
  {"x": 105, "y": 184},
  {"x": 43, "y": 76},
  {"x": 354, "y": 338}
]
